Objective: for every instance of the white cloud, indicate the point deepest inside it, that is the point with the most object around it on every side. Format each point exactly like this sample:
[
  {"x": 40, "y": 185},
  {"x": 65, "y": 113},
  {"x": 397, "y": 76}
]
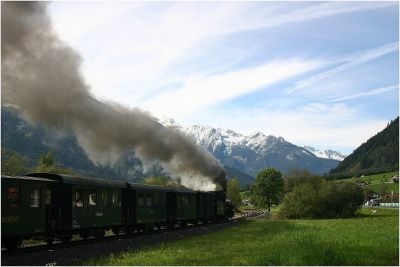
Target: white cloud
[
  {"x": 376, "y": 91},
  {"x": 201, "y": 92},
  {"x": 351, "y": 62},
  {"x": 130, "y": 48},
  {"x": 131, "y": 51},
  {"x": 321, "y": 10}
]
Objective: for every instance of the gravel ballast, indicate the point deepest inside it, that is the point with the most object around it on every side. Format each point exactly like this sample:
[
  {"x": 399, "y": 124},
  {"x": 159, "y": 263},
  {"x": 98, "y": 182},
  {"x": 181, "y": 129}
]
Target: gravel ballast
[{"x": 74, "y": 255}]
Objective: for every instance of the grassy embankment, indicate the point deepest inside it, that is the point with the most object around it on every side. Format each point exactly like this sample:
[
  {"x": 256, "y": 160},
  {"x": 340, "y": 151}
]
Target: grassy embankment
[
  {"x": 376, "y": 182},
  {"x": 369, "y": 239}
]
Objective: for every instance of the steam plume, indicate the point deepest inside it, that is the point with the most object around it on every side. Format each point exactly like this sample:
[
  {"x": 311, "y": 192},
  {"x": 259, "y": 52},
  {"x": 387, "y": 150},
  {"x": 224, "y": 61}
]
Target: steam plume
[{"x": 41, "y": 78}]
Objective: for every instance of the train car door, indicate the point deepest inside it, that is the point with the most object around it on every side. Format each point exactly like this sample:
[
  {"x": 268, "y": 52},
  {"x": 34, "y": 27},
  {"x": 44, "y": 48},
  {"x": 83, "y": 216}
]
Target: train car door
[
  {"x": 128, "y": 206},
  {"x": 171, "y": 206}
]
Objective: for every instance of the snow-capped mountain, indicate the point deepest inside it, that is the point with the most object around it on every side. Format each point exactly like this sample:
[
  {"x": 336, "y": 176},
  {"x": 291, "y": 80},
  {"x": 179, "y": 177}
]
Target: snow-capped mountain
[
  {"x": 327, "y": 154},
  {"x": 251, "y": 153}
]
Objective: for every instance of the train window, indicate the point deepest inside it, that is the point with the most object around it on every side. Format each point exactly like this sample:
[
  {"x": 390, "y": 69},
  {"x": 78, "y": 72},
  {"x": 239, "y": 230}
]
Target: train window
[
  {"x": 13, "y": 197},
  {"x": 92, "y": 198},
  {"x": 79, "y": 198},
  {"x": 178, "y": 201},
  {"x": 184, "y": 200},
  {"x": 192, "y": 200},
  {"x": 141, "y": 202},
  {"x": 35, "y": 198},
  {"x": 48, "y": 197},
  {"x": 148, "y": 201},
  {"x": 103, "y": 200},
  {"x": 155, "y": 199},
  {"x": 161, "y": 199},
  {"x": 114, "y": 198}
]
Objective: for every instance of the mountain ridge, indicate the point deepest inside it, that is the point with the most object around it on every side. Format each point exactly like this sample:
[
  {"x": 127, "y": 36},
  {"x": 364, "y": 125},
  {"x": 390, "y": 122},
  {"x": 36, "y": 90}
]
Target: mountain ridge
[
  {"x": 242, "y": 156},
  {"x": 327, "y": 154},
  {"x": 251, "y": 153},
  {"x": 379, "y": 153}
]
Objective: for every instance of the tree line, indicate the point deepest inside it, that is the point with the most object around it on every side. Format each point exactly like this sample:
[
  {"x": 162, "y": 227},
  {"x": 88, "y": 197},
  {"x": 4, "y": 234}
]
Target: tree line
[
  {"x": 303, "y": 195},
  {"x": 16, "y": 164}
]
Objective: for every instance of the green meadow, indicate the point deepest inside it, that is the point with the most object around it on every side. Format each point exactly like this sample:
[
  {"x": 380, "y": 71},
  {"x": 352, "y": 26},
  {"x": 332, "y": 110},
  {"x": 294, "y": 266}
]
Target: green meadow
[
  {"x": 371, "y": 238},
  {"x": 376, "y": 182}
]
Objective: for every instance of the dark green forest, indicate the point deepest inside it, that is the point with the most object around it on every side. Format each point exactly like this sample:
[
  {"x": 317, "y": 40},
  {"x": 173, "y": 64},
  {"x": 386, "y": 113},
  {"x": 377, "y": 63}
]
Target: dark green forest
[{"x": 379, "y": 154}]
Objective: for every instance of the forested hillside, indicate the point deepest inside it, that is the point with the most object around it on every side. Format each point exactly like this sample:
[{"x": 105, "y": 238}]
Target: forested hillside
[
  {"x": 379, "y": 154},
  {"x": 19, "y": 136}
]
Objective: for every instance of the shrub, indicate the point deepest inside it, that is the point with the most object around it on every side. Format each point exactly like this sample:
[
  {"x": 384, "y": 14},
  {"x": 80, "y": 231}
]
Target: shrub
[
  {"x": 295, "y": 177},
  {"x": 329, "y": 200}
]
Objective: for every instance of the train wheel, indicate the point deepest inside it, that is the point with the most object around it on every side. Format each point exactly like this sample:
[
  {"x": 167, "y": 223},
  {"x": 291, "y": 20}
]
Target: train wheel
[
  {"x": 66, "y": 238},
  {"x": 100, "y": 234},
  {"x": 116, "y": 230},
  {"x": 131, "y": 229},
  {"x": 12, "y": 244},
  {"x": 84, "y": 234}
]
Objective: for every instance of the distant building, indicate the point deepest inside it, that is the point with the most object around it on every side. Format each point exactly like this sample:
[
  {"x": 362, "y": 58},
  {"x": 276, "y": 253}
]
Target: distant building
[
  {"x": 361, "y": 183},
  {"x": 390, "y": 198}
]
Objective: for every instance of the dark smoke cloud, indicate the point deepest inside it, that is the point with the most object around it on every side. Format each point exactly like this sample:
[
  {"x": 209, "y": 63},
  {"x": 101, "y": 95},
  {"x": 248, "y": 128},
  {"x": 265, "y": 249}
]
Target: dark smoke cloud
[{"x": 41, "y": 78}]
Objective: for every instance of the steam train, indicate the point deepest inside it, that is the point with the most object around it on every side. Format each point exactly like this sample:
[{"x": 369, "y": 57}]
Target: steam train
[{"x": 48, "y": 206}]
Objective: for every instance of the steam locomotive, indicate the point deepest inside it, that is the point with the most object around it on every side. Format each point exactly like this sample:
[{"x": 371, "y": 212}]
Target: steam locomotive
[{"x": 48, "y": 206}]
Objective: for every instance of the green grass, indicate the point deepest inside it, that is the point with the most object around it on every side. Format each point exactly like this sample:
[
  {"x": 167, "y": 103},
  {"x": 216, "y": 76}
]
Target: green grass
[
  {"x": 375, "y": 182},
  {"x": 372, "y": 179},
  {"x": 369, "y": 239},
  {"x": 388, "y": 188}
]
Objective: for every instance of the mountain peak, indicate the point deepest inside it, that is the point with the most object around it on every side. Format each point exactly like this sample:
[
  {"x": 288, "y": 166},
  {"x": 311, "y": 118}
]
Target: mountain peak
[{"x": 326, "y": 154}]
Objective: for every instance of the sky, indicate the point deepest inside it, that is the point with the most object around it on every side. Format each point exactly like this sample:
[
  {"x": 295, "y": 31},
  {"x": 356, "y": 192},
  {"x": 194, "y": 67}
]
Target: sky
[{"x": 324, "y": 74}]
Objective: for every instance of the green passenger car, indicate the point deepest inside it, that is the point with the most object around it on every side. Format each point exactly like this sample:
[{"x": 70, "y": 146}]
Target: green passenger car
[
  {"x": 186, "y": 206},
  {"x": 87, "y": 206},
  {"x": 52, "y": 206},
  {"x": 151, "y": 206},
  {"x": 24, "y": 208}
]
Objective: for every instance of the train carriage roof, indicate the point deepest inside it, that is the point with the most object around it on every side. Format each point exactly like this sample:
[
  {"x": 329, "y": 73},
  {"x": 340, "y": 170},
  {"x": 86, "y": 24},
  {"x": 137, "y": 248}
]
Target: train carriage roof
[
  {"x": 136, "y": 186},
  {"x": 39, "y": 179},
  {"x": 76, "y": 180}
]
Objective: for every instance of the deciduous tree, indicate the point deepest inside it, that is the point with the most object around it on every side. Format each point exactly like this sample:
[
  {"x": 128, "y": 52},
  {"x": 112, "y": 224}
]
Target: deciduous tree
[
  {"x": 233, "y": 192},
  {"x": 13, "y": 163},
  {"x": 268, "y": 188},
  {"x": 47, "y": 163}
]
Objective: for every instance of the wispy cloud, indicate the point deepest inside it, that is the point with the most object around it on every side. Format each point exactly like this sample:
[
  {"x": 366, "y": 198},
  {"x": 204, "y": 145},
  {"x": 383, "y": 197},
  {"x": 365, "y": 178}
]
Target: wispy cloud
[
  {"x": 376, "y": 91},
  {"x": 200, "y": 92},
  {"x": 322, "y": 10},
  {"x": 351, "y": 62},
  {"x": 138, "y": 45},
  {"x": 184, "y": 59}
]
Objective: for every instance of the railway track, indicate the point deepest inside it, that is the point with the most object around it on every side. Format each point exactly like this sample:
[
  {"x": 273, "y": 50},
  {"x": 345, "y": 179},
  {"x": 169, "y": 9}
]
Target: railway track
[
  {"x": 56, "y": 254},
  {"x": 75, "y": 252}
]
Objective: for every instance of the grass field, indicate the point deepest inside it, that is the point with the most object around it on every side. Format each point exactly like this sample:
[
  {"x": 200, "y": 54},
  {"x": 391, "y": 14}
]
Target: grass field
[
  {"x": 369, "y": 239},
  {"x": 375, "y": 182},
  {"x": 372, "y": 179}
]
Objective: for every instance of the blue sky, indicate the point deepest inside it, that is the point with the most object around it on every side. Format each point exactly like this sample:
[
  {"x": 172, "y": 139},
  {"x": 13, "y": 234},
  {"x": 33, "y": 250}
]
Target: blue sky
[{"x": 324, "y": 74}]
